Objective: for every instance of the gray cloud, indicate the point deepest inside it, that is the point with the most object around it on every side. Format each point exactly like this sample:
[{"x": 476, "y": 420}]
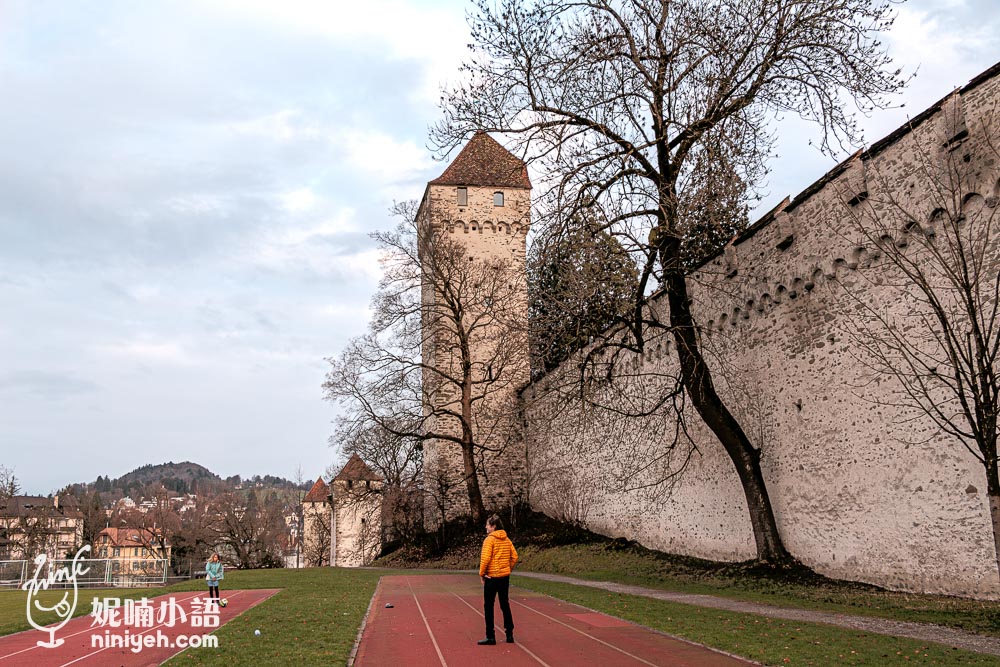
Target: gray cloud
[
  {"x": 45, "y": 384},
  {"x": 186, "y": 193}
]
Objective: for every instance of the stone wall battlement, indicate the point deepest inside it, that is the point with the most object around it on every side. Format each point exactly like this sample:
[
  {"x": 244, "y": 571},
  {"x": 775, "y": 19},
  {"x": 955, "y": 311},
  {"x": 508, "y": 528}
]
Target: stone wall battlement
[
  {"x": 863, "y": 487},
  {"x": 798, "y": 282},
  {"x": 807, "y": 241},
  {"x": 480, "y": 226}
]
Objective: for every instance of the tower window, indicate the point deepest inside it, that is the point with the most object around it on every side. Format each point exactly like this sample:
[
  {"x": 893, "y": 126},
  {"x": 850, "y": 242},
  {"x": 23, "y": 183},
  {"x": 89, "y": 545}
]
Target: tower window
[
  {"x": 463, "y": 196},
  {"x": 498, "y": 199}
]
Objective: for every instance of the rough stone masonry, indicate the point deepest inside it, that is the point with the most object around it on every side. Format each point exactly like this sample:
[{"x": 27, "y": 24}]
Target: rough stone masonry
[{"x": 862, "y": 488}]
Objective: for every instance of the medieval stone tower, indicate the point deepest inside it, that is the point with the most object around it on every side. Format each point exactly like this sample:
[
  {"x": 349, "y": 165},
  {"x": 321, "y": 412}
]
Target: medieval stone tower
[
  {"x": 342, "y": 520},
  {"x": 472, "y": 224}
]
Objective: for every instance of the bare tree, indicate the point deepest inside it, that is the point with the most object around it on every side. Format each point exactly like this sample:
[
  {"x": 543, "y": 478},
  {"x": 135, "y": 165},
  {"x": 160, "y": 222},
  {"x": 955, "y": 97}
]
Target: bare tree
[
  {"x": 251, "y": 530},
  {"x": 431, "y": 368},
  {"x": 315, "y": 538},
  {"x": 359, "y": 506},
  {"x": 657, "y": 111},
  {"x": 937, "y": 255},
  {"x": 196, "y": 536},
  {"x": 159, "y": 522},
  {"x": 9, "y": 486},
  {"x": 398, "y": 460},
  {"x": 34, "y": 531}
]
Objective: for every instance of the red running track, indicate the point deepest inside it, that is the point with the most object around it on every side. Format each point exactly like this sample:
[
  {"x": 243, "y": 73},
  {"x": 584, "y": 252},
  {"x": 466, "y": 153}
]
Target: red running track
[
  {"x": 78, "y": 648},
  {"x": 436, "y": 621}
]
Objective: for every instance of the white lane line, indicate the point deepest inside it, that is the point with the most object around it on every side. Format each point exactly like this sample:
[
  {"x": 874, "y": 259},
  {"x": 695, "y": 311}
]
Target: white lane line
[
  {"x": 89, "y": 655},
  {"x": 600, "y": 641},
  {"x": 426, "y": 624},
  {"x": 193, "y": 597},
  {"x": 35, "y": 646},
  {"x": 497, "y": 627}
]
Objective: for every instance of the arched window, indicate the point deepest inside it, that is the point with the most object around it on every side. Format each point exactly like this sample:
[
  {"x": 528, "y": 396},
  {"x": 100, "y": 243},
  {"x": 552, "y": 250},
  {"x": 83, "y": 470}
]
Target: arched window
[{"x": 498, "y": 199}]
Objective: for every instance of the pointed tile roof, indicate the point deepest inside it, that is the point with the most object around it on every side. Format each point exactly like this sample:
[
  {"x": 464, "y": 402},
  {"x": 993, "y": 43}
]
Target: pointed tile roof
[
  {"x": 484, "y": 162},
  {"x": 354, "y": 470},
  {"x": 318, "y": 492}
]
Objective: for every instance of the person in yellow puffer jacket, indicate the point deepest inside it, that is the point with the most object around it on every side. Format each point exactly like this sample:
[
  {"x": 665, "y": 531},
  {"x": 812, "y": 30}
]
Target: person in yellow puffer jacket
[{"x": 495, "y": 564}]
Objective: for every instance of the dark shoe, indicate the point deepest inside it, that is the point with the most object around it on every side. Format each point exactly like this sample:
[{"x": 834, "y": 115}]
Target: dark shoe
[
  {"x": 510, "y": 636},
  {"x": 489, "y": 641}
]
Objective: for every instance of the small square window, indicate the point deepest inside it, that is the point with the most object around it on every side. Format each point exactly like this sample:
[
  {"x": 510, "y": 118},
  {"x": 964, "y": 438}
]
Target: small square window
[
  {"x": 463, "y": 196},
  {"x": 498, "y": 199}
]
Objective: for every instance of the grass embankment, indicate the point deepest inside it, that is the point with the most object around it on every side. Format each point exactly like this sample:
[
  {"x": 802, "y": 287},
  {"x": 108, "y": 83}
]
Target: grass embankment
[
  {"x": 313, "y": 620},
  {"x": 770, "y": 641},
  {"x": 548, "y": 546},
  {"x": 641, "y": 567},
  {"x": 13, "y": 611}
]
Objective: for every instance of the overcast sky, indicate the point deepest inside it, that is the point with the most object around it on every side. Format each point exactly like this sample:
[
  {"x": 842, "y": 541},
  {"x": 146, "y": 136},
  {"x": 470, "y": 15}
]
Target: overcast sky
[{"x": 186, "y": 191}]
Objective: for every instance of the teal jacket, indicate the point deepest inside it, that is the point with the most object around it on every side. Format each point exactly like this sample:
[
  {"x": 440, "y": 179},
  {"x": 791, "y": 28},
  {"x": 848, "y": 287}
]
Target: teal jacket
[{"x": 214, "y": 571}]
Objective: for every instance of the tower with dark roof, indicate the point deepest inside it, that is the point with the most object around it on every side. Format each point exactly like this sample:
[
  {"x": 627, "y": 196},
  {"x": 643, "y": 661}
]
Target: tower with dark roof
[
  {"x": 356, "y": 499},
  {"x": 482, "y": 202},
  {"x": 342, "y": 520}
]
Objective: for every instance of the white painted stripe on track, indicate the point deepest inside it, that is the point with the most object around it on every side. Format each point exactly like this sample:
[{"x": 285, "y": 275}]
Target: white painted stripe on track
[
  {"x": 600, "y": 641},
  {"x": 496, "y": 627},
  {"x": 426, "y": 624},
  {"x": 84, "y": 657},
  {"x": 36, "y": 646}
]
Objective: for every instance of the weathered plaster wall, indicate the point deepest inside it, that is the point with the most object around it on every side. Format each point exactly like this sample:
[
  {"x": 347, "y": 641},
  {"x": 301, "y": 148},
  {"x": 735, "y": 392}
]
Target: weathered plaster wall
[
  {"x": 358, "y": 522},
  {"x": 858, "y": 492},
  {"x": 316, "y": 534}
]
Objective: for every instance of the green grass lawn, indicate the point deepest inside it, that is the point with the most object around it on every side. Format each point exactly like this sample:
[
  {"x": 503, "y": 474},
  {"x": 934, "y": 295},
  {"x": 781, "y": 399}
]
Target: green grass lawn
[
  {"x": 641, "y": 567},
  {"x": 313, "y": 620},
  {"x": 316, "y": 616},
  {"x": 594, "y": 557},
  {"x": 13, "y": 612},
  {"x": 770, "y": 641}
]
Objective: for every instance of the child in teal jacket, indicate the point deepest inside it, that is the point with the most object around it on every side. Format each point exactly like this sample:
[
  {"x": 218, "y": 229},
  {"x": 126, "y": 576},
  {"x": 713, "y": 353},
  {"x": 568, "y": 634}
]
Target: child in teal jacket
[{"x": 214, "y": 573}]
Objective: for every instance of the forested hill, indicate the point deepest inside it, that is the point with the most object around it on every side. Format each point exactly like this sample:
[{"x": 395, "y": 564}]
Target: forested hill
[
  {"x": 179, "y": 477},
  {"x": 183, "y": 477}
]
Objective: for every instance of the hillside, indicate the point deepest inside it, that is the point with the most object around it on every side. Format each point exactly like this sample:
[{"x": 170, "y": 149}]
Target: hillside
[
  {"x": 179, "y": 477},
  {"x": 186, "y": 471},
  {"x": 183, "y": 477}
]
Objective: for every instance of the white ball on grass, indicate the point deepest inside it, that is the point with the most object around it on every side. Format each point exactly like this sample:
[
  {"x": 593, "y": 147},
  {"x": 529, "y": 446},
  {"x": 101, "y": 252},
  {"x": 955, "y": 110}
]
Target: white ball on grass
[{"x": 257, "y": 632}]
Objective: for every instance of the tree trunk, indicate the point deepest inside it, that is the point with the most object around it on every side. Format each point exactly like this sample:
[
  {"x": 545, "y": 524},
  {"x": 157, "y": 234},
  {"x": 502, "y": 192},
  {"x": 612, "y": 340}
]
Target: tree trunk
[
  {"x": 468, "y": 454},
  {"x": 472, "y": 484},
  {"x": 697, "y": 381},
  {"x": 993, "y": 492},
  {"x": 995, "y": 517},
  {"x": 468, "y": 437}
]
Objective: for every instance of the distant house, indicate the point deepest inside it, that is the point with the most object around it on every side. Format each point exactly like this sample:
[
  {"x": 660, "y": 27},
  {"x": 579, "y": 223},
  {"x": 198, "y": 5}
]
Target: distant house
[
  {"x": 133, "y": 548},
  {"x": 35, "y": 525}
]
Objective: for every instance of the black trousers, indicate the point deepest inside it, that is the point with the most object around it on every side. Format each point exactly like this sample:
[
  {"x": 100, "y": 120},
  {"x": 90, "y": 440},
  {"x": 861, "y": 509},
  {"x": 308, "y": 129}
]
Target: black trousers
[
  {"x": 213, "y": 592},
  {"x": 497, "y": 587}
]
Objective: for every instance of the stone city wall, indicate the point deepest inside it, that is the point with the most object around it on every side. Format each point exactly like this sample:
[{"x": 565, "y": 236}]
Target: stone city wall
[{"x": 862, "y": 489}]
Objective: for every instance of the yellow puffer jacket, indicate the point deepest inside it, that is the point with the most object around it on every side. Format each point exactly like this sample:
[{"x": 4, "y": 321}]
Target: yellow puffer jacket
[{"x": 499, "y": 555}]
